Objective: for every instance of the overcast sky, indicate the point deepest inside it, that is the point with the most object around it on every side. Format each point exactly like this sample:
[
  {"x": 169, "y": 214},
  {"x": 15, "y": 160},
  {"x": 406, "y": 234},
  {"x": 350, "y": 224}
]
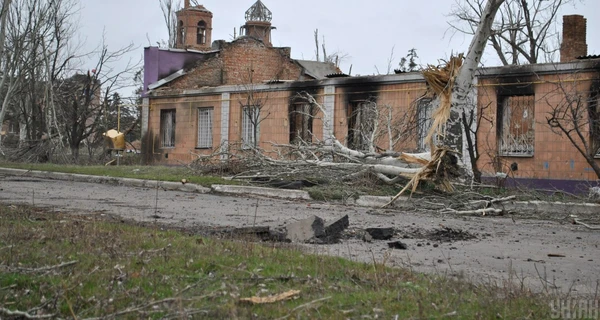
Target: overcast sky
[{"x": 364, "y": 30}]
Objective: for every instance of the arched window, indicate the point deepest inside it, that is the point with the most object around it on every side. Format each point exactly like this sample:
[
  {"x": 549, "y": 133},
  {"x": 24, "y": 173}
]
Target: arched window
[
  {"x": 181, "y": 32},
  {"x": 201, "y": 33}
]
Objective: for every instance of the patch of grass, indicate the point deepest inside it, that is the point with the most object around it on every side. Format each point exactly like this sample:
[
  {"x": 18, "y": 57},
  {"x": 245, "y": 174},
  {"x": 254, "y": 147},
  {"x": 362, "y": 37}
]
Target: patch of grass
[
  {"x": 130, "y": 271},
  {"x": 161, "y": 173}
]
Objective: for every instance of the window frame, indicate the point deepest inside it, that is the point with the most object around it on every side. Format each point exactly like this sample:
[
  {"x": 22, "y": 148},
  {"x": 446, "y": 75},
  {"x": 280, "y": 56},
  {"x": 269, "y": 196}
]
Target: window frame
[
  {"x": 305, "y": 118},
  {"x": 201, "y": 32},
  {"x": 209, "y": 121},
  {"x": 250, "y": 139},
  {"x": 425, "y": 110},
  {"x": 356, "y": 135},
  {"x": 181, "y": 32},
  {"x": 163, "y": 129},
  {"x": 505, "y": 114}
]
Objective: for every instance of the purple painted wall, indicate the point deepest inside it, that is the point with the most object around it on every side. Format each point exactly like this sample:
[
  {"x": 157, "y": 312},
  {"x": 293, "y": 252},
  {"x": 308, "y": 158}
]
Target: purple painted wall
[
  {"x": 160, "y": 63},
  {"x": 571, "y": 186}
]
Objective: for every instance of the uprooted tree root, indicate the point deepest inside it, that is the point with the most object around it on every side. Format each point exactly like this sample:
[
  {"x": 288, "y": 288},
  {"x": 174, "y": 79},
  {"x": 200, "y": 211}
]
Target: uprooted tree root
[{"x": 441, "y": 169}]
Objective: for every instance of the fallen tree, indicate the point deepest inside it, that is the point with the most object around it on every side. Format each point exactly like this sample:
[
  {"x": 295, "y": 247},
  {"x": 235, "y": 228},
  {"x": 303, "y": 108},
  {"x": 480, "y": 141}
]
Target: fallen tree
[{"x": 449, "y": 85}]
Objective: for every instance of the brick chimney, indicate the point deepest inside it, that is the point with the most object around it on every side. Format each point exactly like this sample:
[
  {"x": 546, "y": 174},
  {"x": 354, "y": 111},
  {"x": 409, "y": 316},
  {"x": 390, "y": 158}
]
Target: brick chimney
[
  {"x": 574, "y": 38},
  {"x": 186, "y": 4}
]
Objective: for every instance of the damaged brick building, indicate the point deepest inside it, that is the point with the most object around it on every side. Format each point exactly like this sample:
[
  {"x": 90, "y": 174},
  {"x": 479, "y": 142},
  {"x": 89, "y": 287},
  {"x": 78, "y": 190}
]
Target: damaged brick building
[{"x": 197, "y": 97}]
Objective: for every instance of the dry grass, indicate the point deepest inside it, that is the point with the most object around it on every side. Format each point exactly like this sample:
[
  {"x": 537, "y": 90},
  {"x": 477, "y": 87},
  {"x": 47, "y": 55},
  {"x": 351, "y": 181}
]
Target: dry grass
[{"x": 68, "y": 266}]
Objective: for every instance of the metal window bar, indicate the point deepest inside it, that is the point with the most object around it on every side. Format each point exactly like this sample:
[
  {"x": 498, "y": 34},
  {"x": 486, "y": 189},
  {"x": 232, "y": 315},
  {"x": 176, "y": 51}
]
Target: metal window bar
[
  {"x": 205, "y": 126},
  {"x": 250, "y": 119},
  {"x": 518, "y": 135},
  {"x": 424, "y": 123},
  {"x": 167, "y": 128}
]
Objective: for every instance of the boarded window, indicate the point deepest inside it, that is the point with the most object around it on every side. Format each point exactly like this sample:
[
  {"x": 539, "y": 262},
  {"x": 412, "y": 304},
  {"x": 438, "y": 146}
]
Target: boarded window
[
  {"x": 167, "y": 128},
  {"x": 361, "y": 125},
  {"x": 201, "y": 33},
  {"x": 250, "y": 126},
  {"x": 424, "y": 123},
  {"x": 517, "y": 131},
  {"x": 205, "y": 126},
  {"x": 301, "y": 122}
]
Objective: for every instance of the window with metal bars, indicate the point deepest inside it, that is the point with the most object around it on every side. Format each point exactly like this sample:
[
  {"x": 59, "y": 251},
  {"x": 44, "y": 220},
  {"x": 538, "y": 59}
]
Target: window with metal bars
[
  {"x": 250, "y": 126},
  {"x": 517, "y": 132},
  {"x": 424, "y": 123},
  {"x": 167, "y": 128},
  {"x": 205, "y": 123}
]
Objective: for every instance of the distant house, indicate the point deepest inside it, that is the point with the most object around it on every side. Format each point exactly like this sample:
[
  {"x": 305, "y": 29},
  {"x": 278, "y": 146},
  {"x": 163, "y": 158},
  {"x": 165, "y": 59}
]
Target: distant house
[{"x": 196, "y": 99}]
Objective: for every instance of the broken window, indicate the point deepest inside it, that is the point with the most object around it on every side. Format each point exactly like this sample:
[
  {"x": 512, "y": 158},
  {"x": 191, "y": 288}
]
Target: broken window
[
  {"x": 301, "y": 122},
  {"x": 167, "y": 128},
  {"x": 361, "y": 125},
  {"x": 250, "y": 126},
  {"x": 594, "y": 116},
  {"x": 205, "y": 123},
  {"x": 201, "y": 33},
  {"x": 181, "y": 32},
  {"x": 424, "y": 123},
  {"x": 517, "y": 135}
]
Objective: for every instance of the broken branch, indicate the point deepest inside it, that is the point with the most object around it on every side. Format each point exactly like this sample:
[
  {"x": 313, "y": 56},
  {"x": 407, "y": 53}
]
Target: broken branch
[{"x": 26, "y": 315}]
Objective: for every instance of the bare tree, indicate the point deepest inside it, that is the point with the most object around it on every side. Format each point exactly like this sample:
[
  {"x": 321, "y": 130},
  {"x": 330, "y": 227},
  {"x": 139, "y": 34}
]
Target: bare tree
[
  {"x": 523, "y": 32},
  {"x": 577, "y": 117},
  {"x": 169, "y": 8},
  {"x": 335, "y": 58},
  {"x": 253, "y": 104},
  {"x": 85, "y": 99}
]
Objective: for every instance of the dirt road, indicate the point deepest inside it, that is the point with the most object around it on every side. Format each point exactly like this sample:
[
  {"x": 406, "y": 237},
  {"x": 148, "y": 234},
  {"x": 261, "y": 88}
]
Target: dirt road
[{"x": 494, "y": 249}]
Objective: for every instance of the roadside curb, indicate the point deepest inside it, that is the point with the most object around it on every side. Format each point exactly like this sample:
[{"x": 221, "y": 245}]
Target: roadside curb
[
  {"x": 261, "y": 191},
  {"x": 141, "y": 183},
  {"x": 362, "y": 201}
]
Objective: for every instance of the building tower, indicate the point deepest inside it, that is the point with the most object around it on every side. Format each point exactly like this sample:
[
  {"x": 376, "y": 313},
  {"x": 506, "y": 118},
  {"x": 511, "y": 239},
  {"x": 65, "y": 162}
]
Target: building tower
[
  {"x": 194, "y": 27},
  {"x": 258, "y": 23}
]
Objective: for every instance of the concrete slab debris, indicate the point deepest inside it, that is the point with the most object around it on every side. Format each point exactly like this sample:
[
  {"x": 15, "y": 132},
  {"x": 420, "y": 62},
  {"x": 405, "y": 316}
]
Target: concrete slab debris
[{"x": 306, "y": 230}]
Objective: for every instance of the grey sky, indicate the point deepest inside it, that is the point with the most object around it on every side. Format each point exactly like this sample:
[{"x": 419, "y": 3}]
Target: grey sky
[{"x": 365, "y": 30}]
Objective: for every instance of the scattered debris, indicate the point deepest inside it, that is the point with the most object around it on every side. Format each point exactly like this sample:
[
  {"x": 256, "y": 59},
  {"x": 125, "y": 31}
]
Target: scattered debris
[
  {"x": 333, "y": 230},
  {"x": 314, "y": 230},
  {"x": 594, "y": 194},
  {"x": 398, "y": 245},
  {"x": 447, "y": 234},
  {"x": 306, "y": 230},
  {"x": 380, "y": 233},
  {"x": 271, "y": 299},
  {"x": 577, "y": 221}
]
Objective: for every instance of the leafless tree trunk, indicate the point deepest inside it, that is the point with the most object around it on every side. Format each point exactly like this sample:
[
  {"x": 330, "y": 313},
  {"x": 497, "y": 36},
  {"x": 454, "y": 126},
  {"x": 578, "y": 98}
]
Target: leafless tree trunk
[
  {"x": 253, "y": 104},
  {"x": 523, "y": 32},
  {"x": 168, "y": 8}
]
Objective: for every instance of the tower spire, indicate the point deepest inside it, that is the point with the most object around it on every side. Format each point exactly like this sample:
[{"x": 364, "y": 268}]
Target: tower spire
[{"x": 258, "y": 22}]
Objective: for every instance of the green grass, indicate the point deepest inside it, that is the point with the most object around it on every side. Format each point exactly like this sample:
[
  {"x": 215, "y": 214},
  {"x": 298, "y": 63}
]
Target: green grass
[
  {"x": 129, "y": 269},
  {"x": 161, "y": 173}
]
